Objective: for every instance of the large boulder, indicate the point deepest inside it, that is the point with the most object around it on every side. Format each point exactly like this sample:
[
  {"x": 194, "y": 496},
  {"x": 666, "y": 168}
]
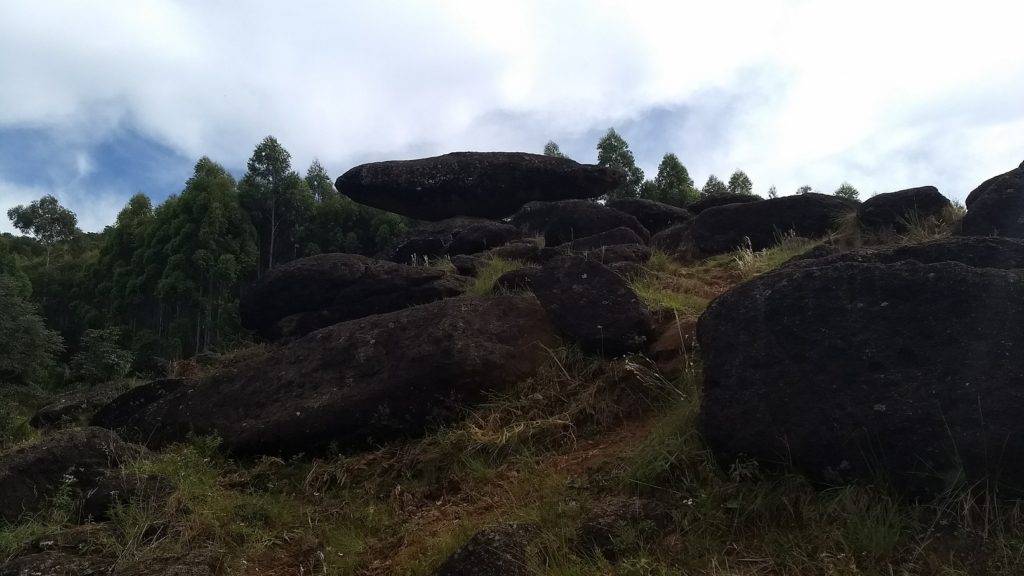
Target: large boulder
[
  {"x": 358, "y": 383},
  {"x": 676, "y": 240},
  {"x": 721, "y": 200},
  {"x": 977, "y": 252},
  {"x": 310, "y": 293},
  {"x": 854, "y": 371},
  {"x": 617, "y": 253},
  {"x": 592, "y": 305},
  {"x": 452, "y": 236},
  {"x": 75, "y": 457},
  {"x": 654, "y": 216},
  {"x": 523, "y": 251},
  {"x": 561, "y": 222},
  {"x": 620, "y": 235},
  {"x": 895, "y": 210},
  {"x": 996, "y": 207},
  {"x": 486, "y": 184},
  {"x": 76, "y": 407},
  {"x": 119, "y": 411},
  {"x": 725, "y": 228}
]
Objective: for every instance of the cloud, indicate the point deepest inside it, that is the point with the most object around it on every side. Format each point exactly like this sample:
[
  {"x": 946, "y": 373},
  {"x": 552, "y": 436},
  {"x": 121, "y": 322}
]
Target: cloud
[{"x": 882, "y": 94}]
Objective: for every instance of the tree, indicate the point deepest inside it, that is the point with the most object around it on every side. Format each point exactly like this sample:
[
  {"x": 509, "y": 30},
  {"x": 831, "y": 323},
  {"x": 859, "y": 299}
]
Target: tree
[
  {"x": 805, "y": 189},
  {"x": 846, "y": 190},
  {"x": 672, "y": 185},
  {"x": 47, "y": 220},
  {"x": 318, "y": 182},
  {"x": 100, "y": 357},
  {"x": 713, "y": 187},
  {"x": 552, "y": 149},
  {"x": 773, "y": 192},
  {"x": 613, "y": 152},
  {"x": 29, "y": 346},
  {"x": 277, "y": 199},
  {"x": 739, "y": 183}
]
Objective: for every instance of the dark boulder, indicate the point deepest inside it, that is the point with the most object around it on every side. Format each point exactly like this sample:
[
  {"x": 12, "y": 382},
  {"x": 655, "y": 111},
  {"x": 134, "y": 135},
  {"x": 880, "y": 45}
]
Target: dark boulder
[
  {"x": 676, "y": 240},
  {"x": 617, "y": 526},
  {"x": 565, "y": 221},
  {"x": 361, "y": 382},
  {"x": 516, "y": 280},
  {"x": 854, "y": 371},
  {"x": 452, "y": 236},
  {"x": 116, "y": 413},
  {"x": 482, "y": 236},
  {"x": 310, "y": 293},
  {"x": 524, "y": 251},
  {"x": 592, "y": 305},
  {"x": 502, "y": 550},
  {"x": 485, "y": 184},
  {"x": 996, "y": 207},
  {"x": 412, "y": 250},
  {"x": 977, "y": 252},
  {"x": 76, "y": 407},
  {"x": 75, "y": 457},
  {"x": 466, "y": 265},
  {"x": 620, "y": 235},
  {"x": 895, "y": 210},
  {"x": 654, "y": 216},
  {"x": 721, "y": 200},
  {"x": 725, "y": 228},
  {"x": 609, "y": 255}
]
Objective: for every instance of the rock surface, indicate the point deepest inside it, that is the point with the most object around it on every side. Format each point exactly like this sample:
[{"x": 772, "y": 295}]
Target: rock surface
[
  {"x": 892, "y": 368},
  {"x": 452, "y": 236},
  {"x": 996, "y": 207},
  {"x": 75, "y": 407},
  {"x": 561, "y": 222},
  {"x": 592, "y": 305},
  {"x": 516, "y": 280},
  {"x": 721, "y": 200},
  {"x": 310, "y": 293},
  {"x": 117, "y": 413},
  {"x": 893, "y": 210},
  {"x": 75, "y": 457},
  {"x": 724, "y": 228},
  {"x": 501, "y": 550},
  {"x": 485, "y": 184},
  {"x": 654, "y": 216},
  {"x": 620, "y": 235},
  {"x": 359, "y": 383}
]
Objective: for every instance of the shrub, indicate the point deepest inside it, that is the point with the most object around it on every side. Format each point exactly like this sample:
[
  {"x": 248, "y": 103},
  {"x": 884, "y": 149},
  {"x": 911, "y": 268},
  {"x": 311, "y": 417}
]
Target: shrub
[{"x": 101, "y": 357}]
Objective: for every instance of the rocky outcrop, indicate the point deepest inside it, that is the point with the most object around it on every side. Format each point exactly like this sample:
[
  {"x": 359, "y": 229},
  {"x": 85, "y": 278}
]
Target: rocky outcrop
[
  {"x": 721, "y": 200},
  {"x": 117, "y": 413},
  {"x": 903, "y": 369},
  {"x": 726, "y": 228},
  {"x": 75, "y": 457},
  {"x": 501, "y": 550},
  {"x": 561, "y": 222},
  {"x": 75, "y": 407},
  {"x": 359, "y": 383},
  {"x": 654, "y": 216},
  {"x": 895, "y": 210},
  {"x": 618, "y": 253},
  {"x": 976, "y": 252},
  {"x": 485, "y": 184},
  {"x": 620, "y": 235},
  {"x": 592, "y": 306},
  {"x": 452, "y": 237},
  {"x": 310, "y": 293},
  {"x": 996, "y": 207},
  {"x": 676, "y": 240}
]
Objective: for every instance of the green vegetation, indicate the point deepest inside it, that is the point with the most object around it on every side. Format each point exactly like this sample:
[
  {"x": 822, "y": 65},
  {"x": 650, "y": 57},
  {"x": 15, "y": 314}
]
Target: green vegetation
[
  {"x": 613, "y": 152},
  {"x": 489, "y": 272}
]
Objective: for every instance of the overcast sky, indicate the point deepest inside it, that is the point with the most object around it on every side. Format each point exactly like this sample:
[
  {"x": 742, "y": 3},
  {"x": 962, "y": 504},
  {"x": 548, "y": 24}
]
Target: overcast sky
[{"x": 100, "y": 100}]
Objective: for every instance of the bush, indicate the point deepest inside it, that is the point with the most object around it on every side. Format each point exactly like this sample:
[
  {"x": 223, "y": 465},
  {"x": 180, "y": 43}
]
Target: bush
[
  {"x": 29, "y": 346},
  {"x": 101, "y": 357}
]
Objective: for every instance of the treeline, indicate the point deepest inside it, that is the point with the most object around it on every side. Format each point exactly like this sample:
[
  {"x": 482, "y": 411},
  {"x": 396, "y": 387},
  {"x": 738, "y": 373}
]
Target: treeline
[{"x": 165, "y": 280}]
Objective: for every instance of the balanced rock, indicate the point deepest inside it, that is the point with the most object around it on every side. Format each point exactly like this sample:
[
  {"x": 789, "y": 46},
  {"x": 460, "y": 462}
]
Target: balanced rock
[
  {"x": 896, "y": 210},
  {"x": 854, "y": 371},
  {"x": 485, "y": 184},
  {"x": 361, "y": 382},
  {"x": 568, "y": 220},
  {"x": 996, "y": 207},
  {"x": 725, "y": 228},
  {"x": 310, "y": 293},
  {"x": 592, "y": 305},
  {"x": 654, "y": 216}
]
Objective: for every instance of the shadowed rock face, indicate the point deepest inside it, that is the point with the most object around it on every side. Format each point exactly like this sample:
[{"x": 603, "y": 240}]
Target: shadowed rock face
[
  {"x": 874, "y": 364},
  {"x": 453, "y": 236},
  {"x": 311, "y": 293},
  {"x": 561, "y": 222},
  {"x": 725, "y": 228},
  {"x": 485, "y": 184},
  {"x": 997, "y": 206},
  {"x": 654, "y": 216},
  {"x": 361, "y": 382},
  {"x": 893, "y": 210}
]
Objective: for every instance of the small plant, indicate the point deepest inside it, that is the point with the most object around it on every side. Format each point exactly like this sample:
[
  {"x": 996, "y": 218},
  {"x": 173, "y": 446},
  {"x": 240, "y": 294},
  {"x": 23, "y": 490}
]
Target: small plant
[
  {"x": 489, "y": 272},
  {"x": 101, "y": 357}
]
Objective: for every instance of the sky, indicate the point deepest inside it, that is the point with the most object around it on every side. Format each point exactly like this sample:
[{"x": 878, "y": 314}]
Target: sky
[{"x": 102, "y": 100}]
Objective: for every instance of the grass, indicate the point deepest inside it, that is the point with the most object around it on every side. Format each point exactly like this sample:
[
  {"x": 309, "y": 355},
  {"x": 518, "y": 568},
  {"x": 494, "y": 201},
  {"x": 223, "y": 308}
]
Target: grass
[{"x": 489, "y": 272}]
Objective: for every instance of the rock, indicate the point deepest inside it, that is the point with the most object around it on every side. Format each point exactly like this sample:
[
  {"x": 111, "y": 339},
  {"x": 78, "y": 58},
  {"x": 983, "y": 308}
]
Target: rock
[
  {"x": 467, "y": 265},
  {"x": 724, "y": 228},
  {"x": 675, "y": 348},
  {"x": 77, "y": 457},
  {"x": 592, "y": 305},
  {"x": 654, "y": 216},
  {"x": 620, "y": 235},
  {"x": 977, "y": 252},
  {"x": 75, "y": 407},
  {"x": 116, "y": 414},
  {"x": 310, "y": 293},
  {"x": 452, "y": 236},
  {"x": 851, "y": 371},
  {"x": 565, "y": 221},
  {"x": 617, "y": 526},
  {"x": 996, "y": 207},
  {"x": 55, "y": 564},
  {"x": 721, "y": 200},
  {"x": 609, "y": 255},
  {"x": 676, "y": 240},
  {"x": 892, "y": 210},
  {"x": 524, "y": 251},
  {"x": 627, "y": 270},
  {"x": 359, "y": 383},
  {"x": 119, "y": 488},
  {"x": 516, "y": 280},
  {"x": 486, "y": 184},
  {"x": 413, "y": 250},
  {"x": 501, "y": 550},
  {"x": 483, "y": 236}
]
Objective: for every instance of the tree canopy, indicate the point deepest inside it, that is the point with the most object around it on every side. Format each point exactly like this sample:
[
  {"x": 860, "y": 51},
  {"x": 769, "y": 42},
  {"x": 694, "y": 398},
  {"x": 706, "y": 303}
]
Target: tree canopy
[
  {"x": 613, "y": 152},
  {"x": 672, "y": 185},
  {"x": 713, "y": 187},
  {"x": 739, "y": 183}
]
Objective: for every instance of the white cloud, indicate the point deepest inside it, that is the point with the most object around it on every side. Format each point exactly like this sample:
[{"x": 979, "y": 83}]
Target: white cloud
[{"x": 883, "y": 94}]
